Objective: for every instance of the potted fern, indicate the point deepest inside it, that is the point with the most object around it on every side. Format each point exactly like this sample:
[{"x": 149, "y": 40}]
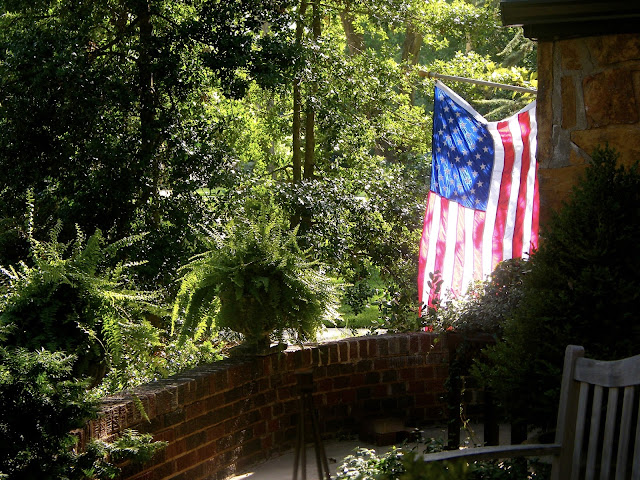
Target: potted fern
[{"x": 253, "y": 279}]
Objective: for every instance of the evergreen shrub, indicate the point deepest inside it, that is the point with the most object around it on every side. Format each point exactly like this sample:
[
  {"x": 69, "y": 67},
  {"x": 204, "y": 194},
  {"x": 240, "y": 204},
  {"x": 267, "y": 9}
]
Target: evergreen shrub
[
  {"x": 40, "y": 405},
  {"x": 582, "y": 288}
]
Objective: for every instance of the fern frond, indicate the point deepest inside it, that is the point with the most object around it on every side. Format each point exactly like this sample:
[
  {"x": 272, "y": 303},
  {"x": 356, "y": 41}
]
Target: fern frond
[
  {"x": 88, "y": 255},
  {"x": 194, "y": 300},
  {"x": 78, "y": 244},
  {"x": 112, "y": 335},
  {"x": 10, "y": 272},
  {"x": 30, "y": 216},
  {"x": 70, "y": 300},
  {"x": 140, "y": 407},
  {"x": 259, "y": 276},
  {"x": 111, "y": 249}
]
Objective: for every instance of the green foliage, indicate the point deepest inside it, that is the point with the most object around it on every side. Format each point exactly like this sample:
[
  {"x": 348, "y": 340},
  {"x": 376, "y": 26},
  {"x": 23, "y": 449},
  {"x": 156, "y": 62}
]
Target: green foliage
[
  {"x": 119, "y": 134},
  {"x": 357, "y": 295},
  {"x": 486, "y": 305},
  {"x": 406, "y": 464},
  {"x": 494, "y": 104},
  {"x": 68, "y": 300},
  {"x": 366, "y": 464},
  {"x": 145, "y": 361},
  {"x": 582, "y": 288},
  {"x": 101, "y": 459},
  {"x": 485, "y": 470},
  {"x": 126, "y": 127},
  {"x": 40, "y": 405},
  {"x": 253, "y": 279},
  {"x": 367, "y": 225}
]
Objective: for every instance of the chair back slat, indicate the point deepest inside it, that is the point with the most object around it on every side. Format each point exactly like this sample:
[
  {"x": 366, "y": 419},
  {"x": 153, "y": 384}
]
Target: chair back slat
[
  {"x": 567, "y": 411},
  {"x": 576, "y": 458},
  {"x": 594, "y": 432},
  {"x": 635, "y": 473},
  {"x": 598, "y": 427},
  {"x": 609, "y": 434},
  {"x": 625, "y": 433}
]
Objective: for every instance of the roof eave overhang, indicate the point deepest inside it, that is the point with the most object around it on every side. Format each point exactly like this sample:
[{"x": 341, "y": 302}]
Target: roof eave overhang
[{"x": 557, "y": 19}]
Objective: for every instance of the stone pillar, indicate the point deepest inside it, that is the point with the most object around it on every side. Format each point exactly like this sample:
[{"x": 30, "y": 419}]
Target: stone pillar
[{"x": 588, "y": 95}]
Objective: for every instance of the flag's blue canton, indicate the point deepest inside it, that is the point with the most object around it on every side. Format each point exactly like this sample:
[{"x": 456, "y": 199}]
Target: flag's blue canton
[{"x": 462, "y": 154}]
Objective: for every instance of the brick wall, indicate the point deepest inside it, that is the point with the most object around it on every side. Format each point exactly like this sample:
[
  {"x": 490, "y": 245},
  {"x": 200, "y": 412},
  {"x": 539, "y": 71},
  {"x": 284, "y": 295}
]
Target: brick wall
[
  {"x": 221, "y": 417},
  {"x": 588, "y": 95}
]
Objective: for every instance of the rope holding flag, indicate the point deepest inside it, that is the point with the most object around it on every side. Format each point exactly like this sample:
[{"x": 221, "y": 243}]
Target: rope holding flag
[{"x": 483, "y": 203}]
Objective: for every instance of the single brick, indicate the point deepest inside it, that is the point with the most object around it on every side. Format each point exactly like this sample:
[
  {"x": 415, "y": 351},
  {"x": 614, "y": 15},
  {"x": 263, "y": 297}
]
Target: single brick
[
  {"x": 389, "y": 376},
  {"x": 174, "y": 417},
  {"x": 175, "y": 449},
  {"x": 341, "y": 382},
  {"x": 381, "y": 363},
  {"x": 394, "y": 345},
  {"x": 371, "y": 378},
  {"x": 364, "y": 366},
  {"x": 382, "y": 346},
  {"x": 343, "y": 351},
  {"x": 363, "y": 348}
]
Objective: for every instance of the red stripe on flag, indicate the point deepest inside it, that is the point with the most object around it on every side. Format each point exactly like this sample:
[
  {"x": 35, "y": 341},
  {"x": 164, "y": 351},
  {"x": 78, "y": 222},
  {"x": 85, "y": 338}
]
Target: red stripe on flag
[
  {"x": 535, "y": 225},
  {"x": 458, "y": 262},
  {"x": 505, "y": 191},
  {"x": 441, "y": 243},
  {"x": 518, "y": 232}
]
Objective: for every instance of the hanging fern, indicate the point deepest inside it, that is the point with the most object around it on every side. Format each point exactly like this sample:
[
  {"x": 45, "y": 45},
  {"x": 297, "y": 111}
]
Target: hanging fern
[{"x": 253, "y": 279}]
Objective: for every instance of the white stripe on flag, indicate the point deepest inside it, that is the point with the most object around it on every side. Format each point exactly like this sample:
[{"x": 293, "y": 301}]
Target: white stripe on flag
[
  {"x": 451, "y": 237},
  {"x": 468, "y": 274}
]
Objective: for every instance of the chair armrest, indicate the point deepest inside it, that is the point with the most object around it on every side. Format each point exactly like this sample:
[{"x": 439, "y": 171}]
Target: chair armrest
[{"x": 493, "y": 452}]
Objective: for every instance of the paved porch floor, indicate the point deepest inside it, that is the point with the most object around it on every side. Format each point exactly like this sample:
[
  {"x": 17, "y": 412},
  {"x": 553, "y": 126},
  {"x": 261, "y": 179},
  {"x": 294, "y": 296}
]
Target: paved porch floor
[{"x": 281, "y": 467}]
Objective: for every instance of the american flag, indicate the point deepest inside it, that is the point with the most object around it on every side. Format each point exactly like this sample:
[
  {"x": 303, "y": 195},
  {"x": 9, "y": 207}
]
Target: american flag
[{"x": 483, "y": 204}]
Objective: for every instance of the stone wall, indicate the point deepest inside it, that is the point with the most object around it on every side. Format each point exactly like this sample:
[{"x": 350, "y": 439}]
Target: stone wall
[
  {"x": 221, "y": 417},
  {"x": 588, "y": 95}
]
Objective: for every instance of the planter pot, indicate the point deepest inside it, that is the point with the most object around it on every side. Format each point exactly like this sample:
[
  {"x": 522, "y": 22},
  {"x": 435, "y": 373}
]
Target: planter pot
[{"x": 260, "y": 348}]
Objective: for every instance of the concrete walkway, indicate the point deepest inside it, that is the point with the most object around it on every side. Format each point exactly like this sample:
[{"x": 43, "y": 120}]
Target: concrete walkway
[{"x": 281, "y": 467}]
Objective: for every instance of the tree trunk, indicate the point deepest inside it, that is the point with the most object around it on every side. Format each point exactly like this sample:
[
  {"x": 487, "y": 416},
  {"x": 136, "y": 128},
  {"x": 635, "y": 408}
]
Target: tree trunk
[
  {"x": 148, "y": 135},
  {"x": 411, "y": 51},
  {"x": 297, "y": 102},
  {"x": 310, "y": 138},
  {"x": 412, "y": 45},
  {"x": 355, "y": 40}
]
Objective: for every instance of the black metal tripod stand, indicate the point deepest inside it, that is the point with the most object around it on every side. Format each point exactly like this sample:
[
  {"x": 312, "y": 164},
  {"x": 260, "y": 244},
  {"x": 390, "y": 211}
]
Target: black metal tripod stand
[{"x": 305, "y": 409}]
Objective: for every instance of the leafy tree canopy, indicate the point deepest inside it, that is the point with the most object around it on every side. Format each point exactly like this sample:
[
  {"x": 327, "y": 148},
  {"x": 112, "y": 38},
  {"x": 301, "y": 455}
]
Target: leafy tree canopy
[{"x": 103, "y": 110}]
